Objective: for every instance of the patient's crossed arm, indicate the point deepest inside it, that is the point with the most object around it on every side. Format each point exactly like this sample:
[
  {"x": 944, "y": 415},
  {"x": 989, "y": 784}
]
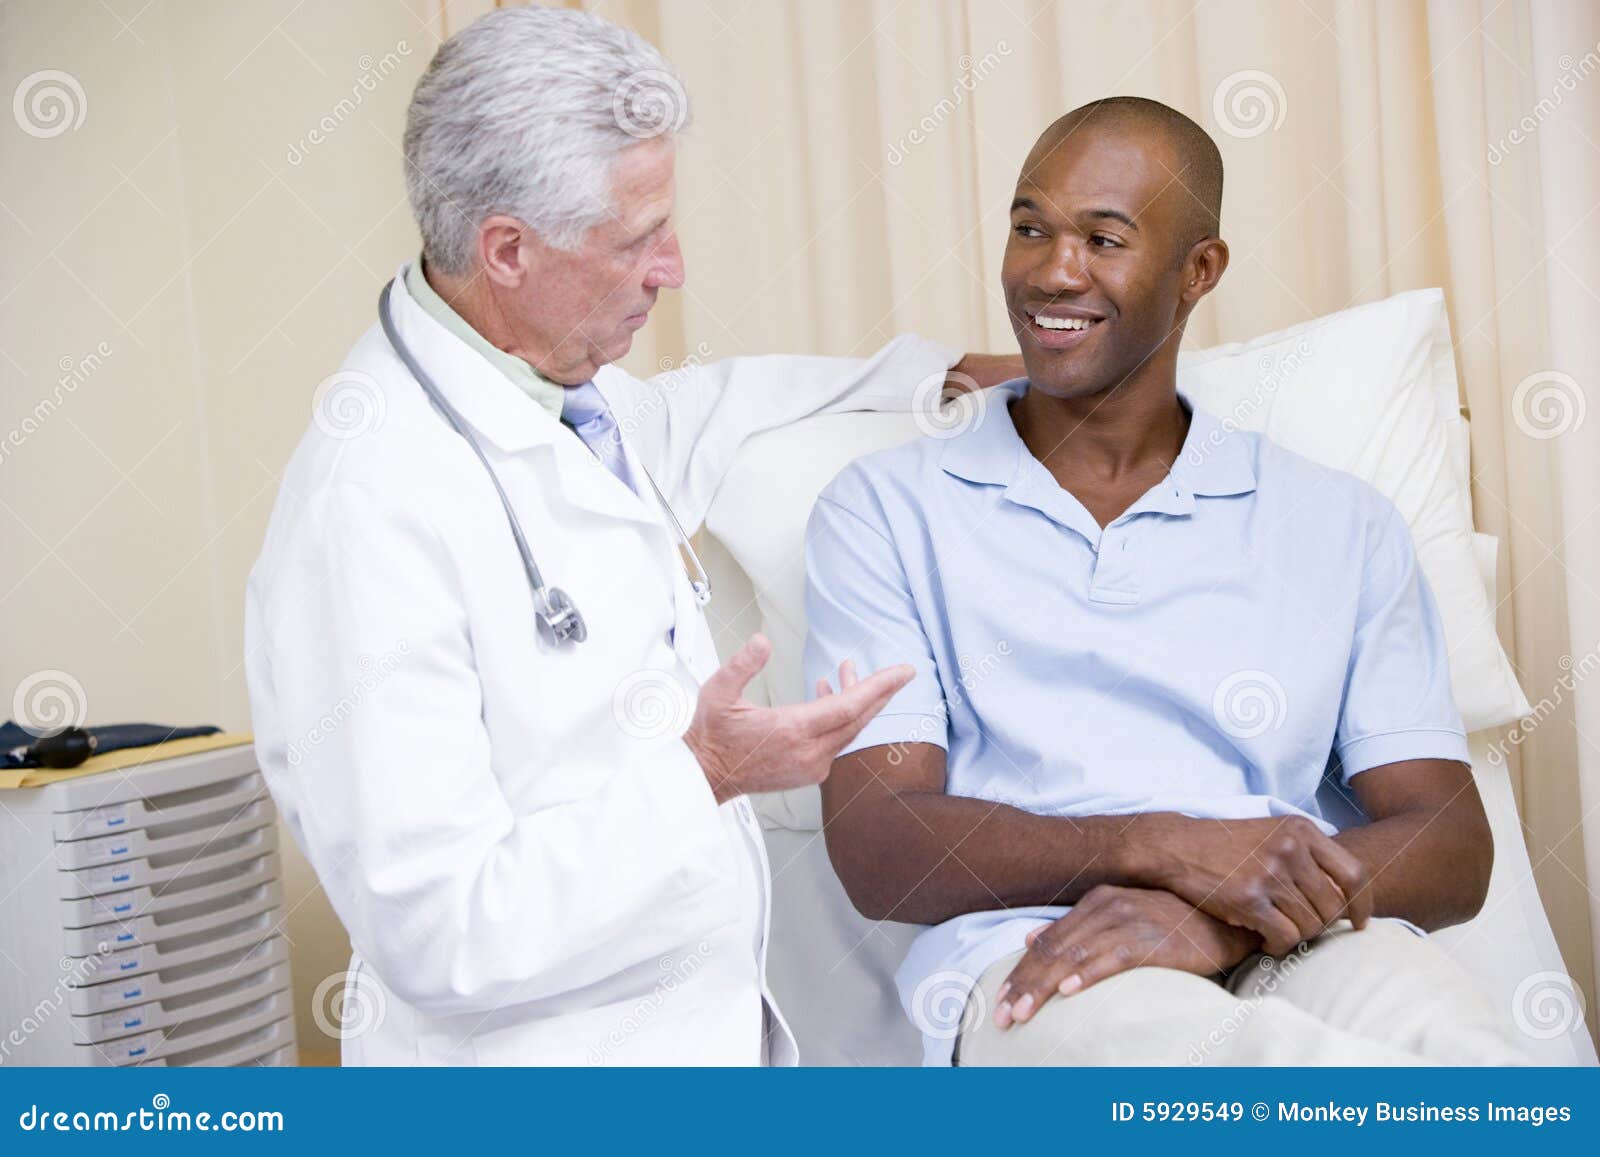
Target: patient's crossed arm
[{"x": 907, "y": 851}]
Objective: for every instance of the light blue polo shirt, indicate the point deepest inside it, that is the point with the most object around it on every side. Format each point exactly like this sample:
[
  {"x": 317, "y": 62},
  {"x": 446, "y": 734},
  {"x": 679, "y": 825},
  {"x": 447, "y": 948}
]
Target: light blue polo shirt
[{"x": 1252, "y": 622}]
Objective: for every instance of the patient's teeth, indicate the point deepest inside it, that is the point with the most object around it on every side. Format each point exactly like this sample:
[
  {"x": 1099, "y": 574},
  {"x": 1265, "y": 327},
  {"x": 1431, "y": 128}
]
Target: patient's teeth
[{"x": 1063, "y": 322}]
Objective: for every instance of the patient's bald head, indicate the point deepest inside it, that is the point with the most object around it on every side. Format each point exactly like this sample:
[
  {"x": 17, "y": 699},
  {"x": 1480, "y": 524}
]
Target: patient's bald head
[
  {"x": 1182, "y": 147},
  {"x": 1114, "y": 240}
]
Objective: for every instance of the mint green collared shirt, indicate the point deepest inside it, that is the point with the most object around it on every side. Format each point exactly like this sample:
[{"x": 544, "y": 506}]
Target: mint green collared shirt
[{"x": 549, "y": 395}]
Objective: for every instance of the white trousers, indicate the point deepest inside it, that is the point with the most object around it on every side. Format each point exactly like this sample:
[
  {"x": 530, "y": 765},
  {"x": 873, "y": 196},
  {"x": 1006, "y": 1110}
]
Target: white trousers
[{"x": 1381, "y": 996}]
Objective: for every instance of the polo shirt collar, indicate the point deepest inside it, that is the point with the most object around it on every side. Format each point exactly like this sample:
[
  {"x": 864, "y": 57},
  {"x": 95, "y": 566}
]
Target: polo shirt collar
[
  {"x": 1213, "y": 463},
  {"x": 989, "y": 449}
]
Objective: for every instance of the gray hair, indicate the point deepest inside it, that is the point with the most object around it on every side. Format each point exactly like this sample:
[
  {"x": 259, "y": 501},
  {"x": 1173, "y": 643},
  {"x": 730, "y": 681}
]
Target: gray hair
[{"x": 523, "y": 112}]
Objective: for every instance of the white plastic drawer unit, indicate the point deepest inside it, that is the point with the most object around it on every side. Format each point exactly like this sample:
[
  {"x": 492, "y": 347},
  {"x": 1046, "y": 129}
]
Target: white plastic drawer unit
[{"x": 144, "y": 909}]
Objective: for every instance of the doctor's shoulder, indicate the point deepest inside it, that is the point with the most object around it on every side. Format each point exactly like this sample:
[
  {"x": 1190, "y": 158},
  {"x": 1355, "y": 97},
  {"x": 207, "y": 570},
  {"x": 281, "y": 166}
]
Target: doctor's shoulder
[
  {"x": 372, "y": 425},
  {"x": 367, "y": 434}
]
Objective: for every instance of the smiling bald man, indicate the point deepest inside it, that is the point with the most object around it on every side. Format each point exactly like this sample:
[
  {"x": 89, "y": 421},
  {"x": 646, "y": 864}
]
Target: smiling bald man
[{"x": 1124, "y": 872}]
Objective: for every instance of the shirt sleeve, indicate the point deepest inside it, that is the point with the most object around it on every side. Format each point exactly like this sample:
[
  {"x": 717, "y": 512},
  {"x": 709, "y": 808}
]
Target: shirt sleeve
[
  {"x": 859, "y": 606},
  {"x": 1397, "y": 699}
]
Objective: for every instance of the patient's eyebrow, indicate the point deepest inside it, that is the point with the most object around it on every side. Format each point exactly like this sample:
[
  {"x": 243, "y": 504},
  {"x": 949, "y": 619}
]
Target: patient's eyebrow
[
  {"x": 1113, "y": 215},
  {"x": 1029, "y": 205}
]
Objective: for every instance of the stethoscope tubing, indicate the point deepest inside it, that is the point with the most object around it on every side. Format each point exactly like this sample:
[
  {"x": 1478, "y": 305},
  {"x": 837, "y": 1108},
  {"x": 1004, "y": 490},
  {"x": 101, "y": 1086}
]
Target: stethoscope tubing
[{"x": 559, "y": 618}]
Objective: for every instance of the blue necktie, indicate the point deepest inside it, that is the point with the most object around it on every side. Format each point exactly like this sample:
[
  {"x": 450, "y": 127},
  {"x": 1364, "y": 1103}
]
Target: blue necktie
[{"x": 585, "y": 410}]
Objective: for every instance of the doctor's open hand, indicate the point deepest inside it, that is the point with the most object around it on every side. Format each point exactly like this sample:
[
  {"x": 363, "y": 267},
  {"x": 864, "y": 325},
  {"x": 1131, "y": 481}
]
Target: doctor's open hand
[{"x": 744, "y": 748}]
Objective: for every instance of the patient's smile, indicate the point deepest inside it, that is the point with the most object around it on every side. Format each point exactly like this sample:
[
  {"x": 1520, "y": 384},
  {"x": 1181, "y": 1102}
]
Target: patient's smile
[{"x": 1060, "y": 329}]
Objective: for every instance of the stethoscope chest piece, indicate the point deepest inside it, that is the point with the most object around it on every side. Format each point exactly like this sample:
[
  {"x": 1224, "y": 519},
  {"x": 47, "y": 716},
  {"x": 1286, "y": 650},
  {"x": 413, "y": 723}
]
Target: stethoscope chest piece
[{"x": 559, "y": 619}]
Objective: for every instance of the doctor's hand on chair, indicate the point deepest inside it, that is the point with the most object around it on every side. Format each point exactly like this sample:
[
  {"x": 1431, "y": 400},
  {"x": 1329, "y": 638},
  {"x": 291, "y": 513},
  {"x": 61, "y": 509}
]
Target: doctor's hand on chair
[{"x": 744, "y": 748}]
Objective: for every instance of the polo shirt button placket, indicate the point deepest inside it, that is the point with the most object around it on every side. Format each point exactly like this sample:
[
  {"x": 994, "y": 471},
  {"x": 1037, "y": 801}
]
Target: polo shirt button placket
[{"x": 1115, "y": 579}]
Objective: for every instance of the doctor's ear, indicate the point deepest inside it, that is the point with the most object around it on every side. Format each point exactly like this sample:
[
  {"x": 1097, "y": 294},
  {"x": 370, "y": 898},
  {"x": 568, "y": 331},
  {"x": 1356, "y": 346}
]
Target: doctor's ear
[{"x": 503, "y": 247}]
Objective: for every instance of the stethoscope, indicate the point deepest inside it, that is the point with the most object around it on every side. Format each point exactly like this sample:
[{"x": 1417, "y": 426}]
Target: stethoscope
[{"x": 559, "y": 618}]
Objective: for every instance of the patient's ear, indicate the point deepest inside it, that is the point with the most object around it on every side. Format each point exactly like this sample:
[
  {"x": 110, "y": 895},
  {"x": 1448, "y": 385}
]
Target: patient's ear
[{"x": 1203, "y": 268}]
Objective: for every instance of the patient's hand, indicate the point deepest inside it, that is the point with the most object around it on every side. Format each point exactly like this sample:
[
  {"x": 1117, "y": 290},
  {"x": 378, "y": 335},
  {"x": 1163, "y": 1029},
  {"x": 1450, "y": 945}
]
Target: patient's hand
[
  {"x": 1280, "y": 877},
  {"x": 1112, "y": 930}
]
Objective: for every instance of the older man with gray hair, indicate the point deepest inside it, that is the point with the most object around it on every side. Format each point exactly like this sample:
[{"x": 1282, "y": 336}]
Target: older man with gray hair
[{"x": 528, "y": 801}]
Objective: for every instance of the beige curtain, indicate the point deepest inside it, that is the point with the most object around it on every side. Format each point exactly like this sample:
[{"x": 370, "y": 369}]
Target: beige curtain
[
  {"x": 181, "y": 262},
  {"x": 849, "y": 167}
]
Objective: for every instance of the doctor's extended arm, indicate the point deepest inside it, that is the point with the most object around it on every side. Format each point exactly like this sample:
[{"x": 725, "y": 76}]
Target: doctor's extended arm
[{"x": 688, "y": 424}]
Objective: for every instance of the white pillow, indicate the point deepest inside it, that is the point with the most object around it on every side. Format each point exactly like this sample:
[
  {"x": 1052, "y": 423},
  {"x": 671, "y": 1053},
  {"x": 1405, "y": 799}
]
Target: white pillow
[{"x": 1369, "y": 390}]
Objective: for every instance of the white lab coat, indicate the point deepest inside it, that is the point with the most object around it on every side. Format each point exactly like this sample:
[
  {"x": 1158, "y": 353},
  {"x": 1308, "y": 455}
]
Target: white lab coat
[{"x": 528, "y": 859}]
